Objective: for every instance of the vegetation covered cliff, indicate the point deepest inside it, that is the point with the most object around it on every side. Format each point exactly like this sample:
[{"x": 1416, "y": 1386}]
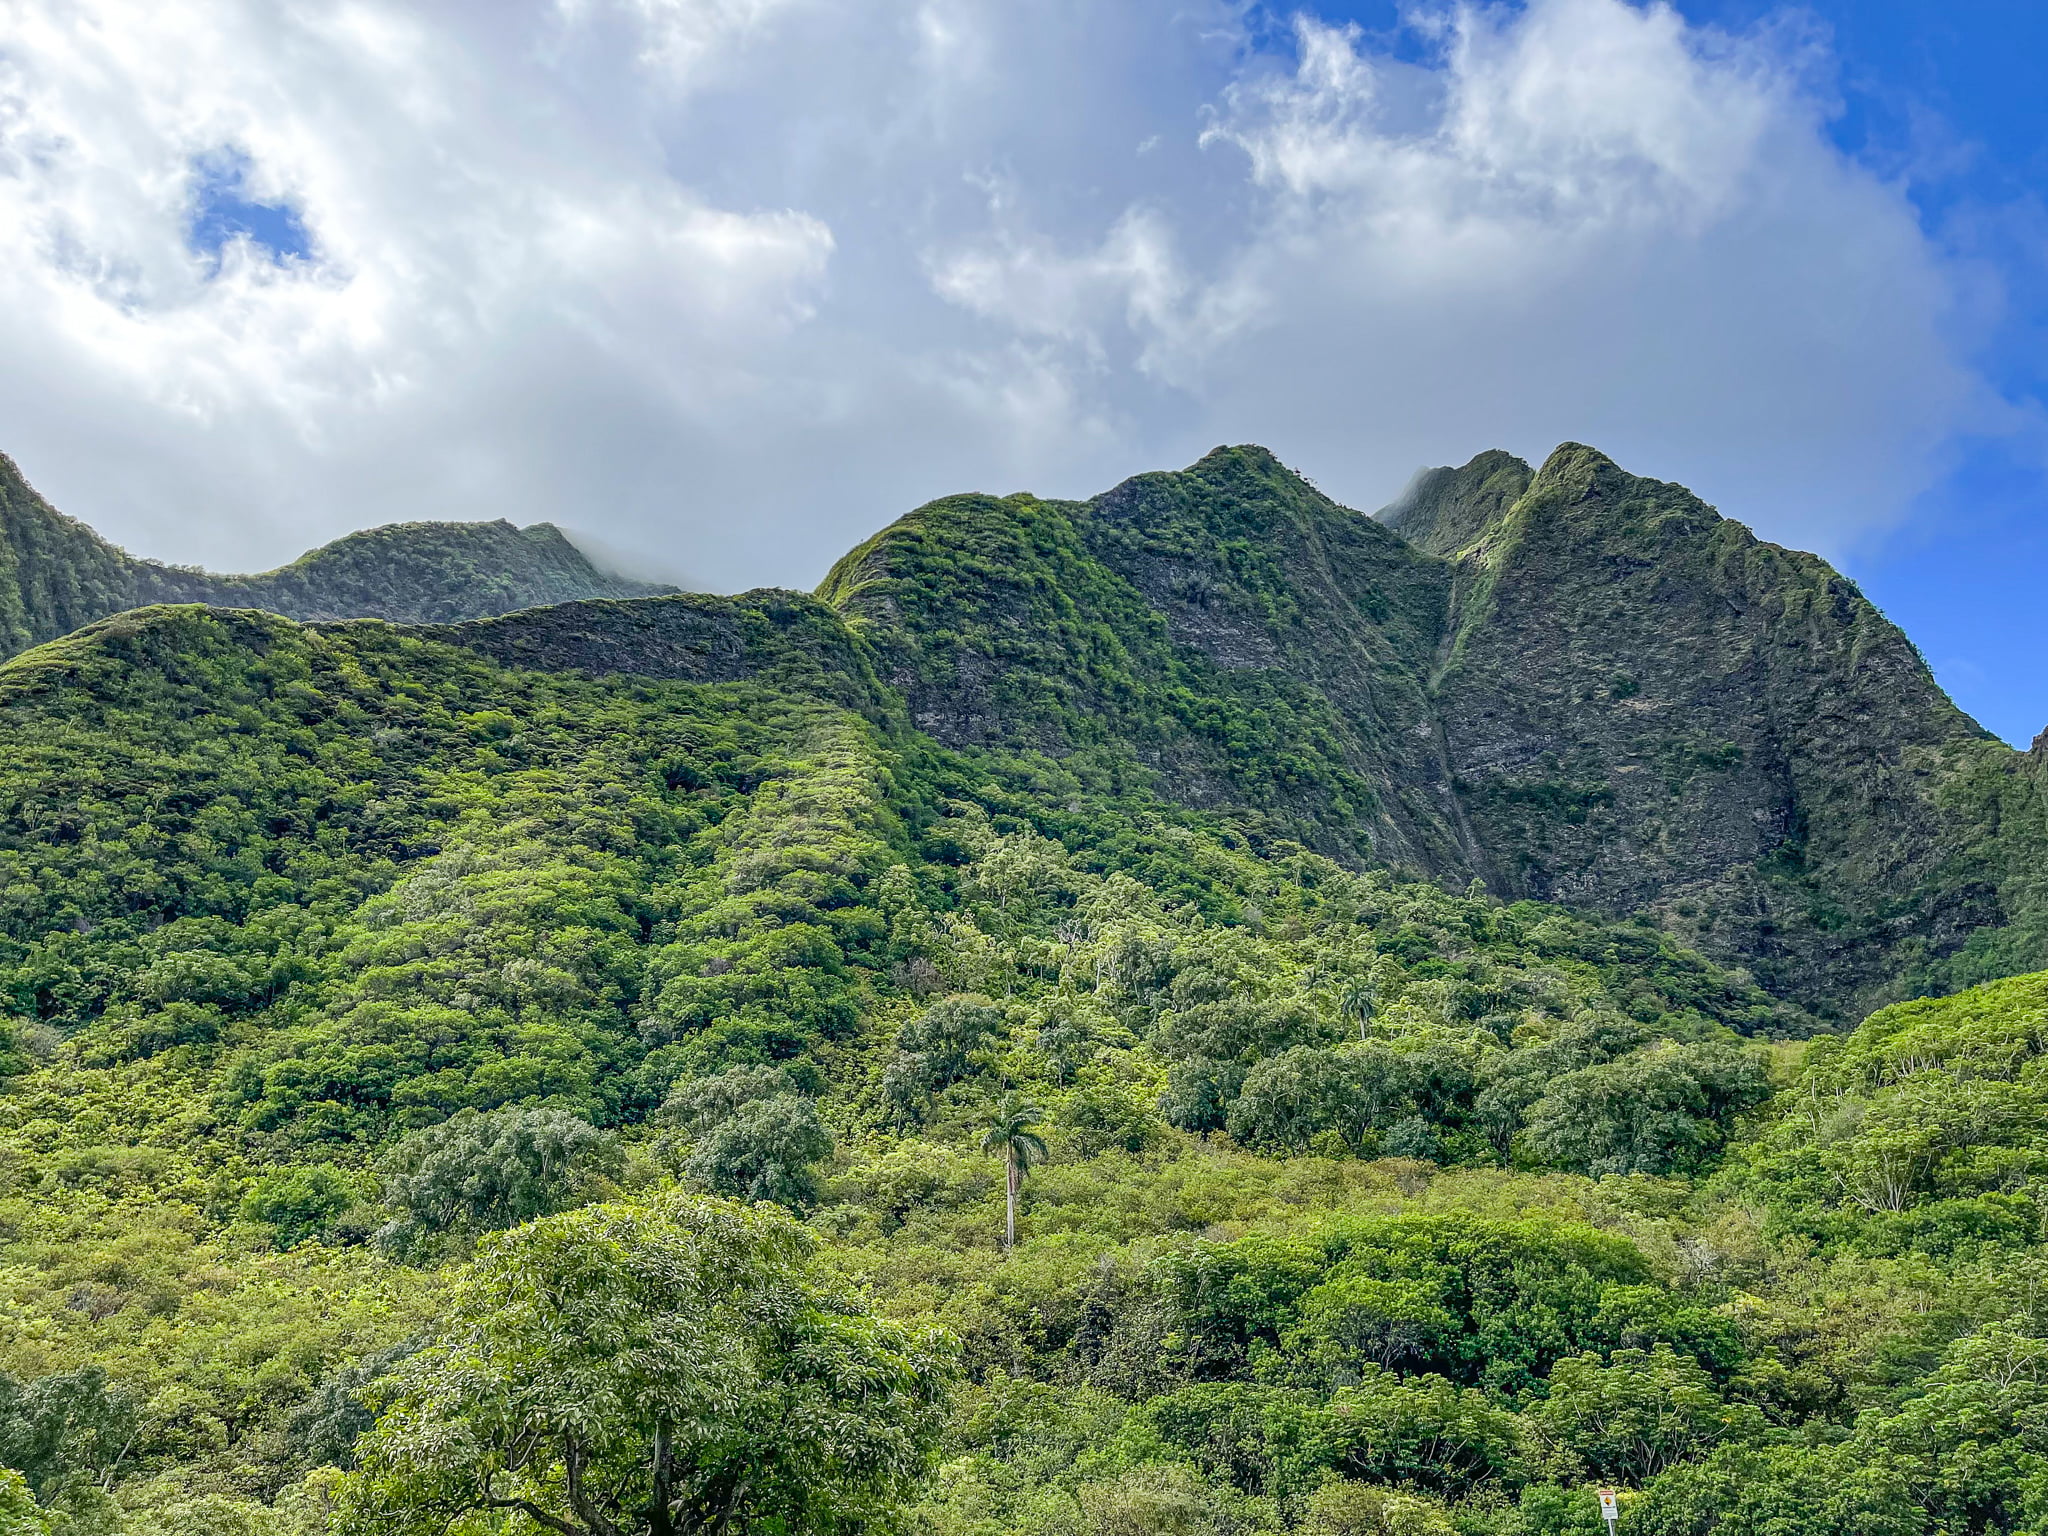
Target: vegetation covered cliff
[
  {"x": 1571, "y": 683},
  {"x": 331, "y": 950}
]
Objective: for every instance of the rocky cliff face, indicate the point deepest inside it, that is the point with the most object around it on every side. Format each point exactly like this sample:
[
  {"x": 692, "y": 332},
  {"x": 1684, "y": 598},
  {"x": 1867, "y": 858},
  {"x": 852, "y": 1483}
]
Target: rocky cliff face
[
  {"x": 1228, "y": 628},
  {"x": 1447, "y": 511},
  {"x": 1647, "y": 708},
  {"x": 1571, "y": 683},
  {"x": 57, "y": 575}
]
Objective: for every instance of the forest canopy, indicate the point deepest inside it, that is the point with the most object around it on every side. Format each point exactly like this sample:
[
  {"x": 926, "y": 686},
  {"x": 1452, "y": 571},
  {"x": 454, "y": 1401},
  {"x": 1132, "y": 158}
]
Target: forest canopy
[{"x": 444, "y": 1096}]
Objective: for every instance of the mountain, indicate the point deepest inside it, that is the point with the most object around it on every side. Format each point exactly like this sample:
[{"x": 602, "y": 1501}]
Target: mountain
[
  {"x": 1644, "y": 707},
  {"x": 1228, "y": 628},
  {"x": 57, "y": 575},
  {"x": 1568, "y": 683},
  {"x": 411, "y": 1031}
]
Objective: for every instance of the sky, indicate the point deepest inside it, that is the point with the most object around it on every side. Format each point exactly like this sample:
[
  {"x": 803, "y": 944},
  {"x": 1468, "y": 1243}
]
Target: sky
[{"x": 722, "y": 286}]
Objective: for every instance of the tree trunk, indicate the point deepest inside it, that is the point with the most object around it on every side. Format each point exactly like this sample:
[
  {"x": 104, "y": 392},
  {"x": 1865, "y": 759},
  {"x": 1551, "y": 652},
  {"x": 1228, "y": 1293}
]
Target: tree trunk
[
  {"x": 1010, "y": 1197},
  {"x": 660, "y": 1515}
]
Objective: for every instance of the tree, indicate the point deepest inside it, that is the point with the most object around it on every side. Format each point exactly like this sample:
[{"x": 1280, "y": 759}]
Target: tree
[
  {"x": 1786, "y": 1490},
  {"x": 66, "y": 1433},
  {"x": 1633, "y": 1418},
  {"x": 1357, "y": 1003},
  {"x": 764, "y": 1150},
  {"x": 298, "y": 1203},
  {"x": 1289, "y": 1099},
  {"x": 323, "y": 1430},
  {"x": 19, "y": 1515},
  {"x": 941, "y": 1046},
  {"x": 750, "y": 1133},
  {"x": 1353, "y": 1320},
  {"x": 677, "y": 1370},
  {"x": 479, "y": 1173},
  {"x": 1659, "y": 1111},
  {"x": 1361, "y": 1509},
  {"x": 1009, "y": 1133}
]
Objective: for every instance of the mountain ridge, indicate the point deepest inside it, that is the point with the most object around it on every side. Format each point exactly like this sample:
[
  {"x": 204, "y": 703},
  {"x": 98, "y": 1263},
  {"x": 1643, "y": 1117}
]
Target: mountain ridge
[
  {"x": 57, "y": 574},
  {"x": 1567, "y": 683},
  {"x": 366, "y": 987},
  {"x": 1602, "y": 692}
]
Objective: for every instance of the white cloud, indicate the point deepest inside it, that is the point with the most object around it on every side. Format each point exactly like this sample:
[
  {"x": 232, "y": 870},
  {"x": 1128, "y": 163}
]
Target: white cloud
[
  {"x": 732, "y": 281},
  {"x": 1587, "y": 222}
]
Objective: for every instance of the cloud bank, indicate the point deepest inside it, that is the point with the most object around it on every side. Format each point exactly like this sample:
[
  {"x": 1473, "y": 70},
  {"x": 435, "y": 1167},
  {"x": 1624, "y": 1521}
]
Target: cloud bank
[{"x": 729, "y": 283}]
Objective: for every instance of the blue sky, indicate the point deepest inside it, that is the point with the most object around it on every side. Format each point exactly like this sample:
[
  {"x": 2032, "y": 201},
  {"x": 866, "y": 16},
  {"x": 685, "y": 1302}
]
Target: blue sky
[
  {"x": 224, "y": 210},
  {"x": 725, "y": 287},
  {"x": 1967, "y": 575}
]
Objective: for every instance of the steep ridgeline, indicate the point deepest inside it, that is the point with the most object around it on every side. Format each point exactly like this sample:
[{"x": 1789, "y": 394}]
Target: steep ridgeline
[
  {"x": 57, "y": 575},
  {"x": 1573, "y": 684},
  {"x": 1647, "y": 708},
  {"x": 1228, "y": 626}
]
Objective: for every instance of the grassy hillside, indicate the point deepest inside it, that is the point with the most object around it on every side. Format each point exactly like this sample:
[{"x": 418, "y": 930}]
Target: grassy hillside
[{"x": 1369, "y": 1207}]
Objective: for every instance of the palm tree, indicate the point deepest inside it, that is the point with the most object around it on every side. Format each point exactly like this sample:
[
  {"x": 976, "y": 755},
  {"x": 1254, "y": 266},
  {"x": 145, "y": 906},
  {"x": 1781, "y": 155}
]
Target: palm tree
[
  {"x": 1009, "y": 1132},
  {"x": 1357, "y": 1002}
]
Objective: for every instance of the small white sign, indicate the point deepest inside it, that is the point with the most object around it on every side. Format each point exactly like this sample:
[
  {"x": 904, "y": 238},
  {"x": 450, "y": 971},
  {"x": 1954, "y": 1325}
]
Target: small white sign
[{"x": 1608, "y": 1512}]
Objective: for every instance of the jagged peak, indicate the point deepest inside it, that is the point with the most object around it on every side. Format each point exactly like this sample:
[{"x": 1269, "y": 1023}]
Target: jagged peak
[
  {"x": 1245, "y": 455},
  {"x": 1598, "y": 495},
  {"x": 1474, "y": 510},
  {"x": 1443, "y": 511},
  {"x": 1574, "y": 469},
  {"x": 1221, "y": 463}
]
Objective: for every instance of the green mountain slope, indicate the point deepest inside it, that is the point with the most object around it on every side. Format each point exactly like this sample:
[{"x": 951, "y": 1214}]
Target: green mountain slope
[
  {"x": 1569, "y": 683},
  {"x": 1648, "y": 709},
  {"x": 1573, "y": 684},
  {"x": 1412, "y": 943},
  {"x": 327, "y": 949},
  {"x": 57, "y": 575},
  {"x": 1227, "y": 628}
]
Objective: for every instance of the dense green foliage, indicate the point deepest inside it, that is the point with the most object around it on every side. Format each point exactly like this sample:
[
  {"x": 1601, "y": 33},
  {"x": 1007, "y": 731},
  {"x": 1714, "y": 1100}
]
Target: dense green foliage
[
  {"x": 1536, "y": 683},
  {"x": 672, "y": 1365},
  {"x": 1363, "y": 1206}
]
